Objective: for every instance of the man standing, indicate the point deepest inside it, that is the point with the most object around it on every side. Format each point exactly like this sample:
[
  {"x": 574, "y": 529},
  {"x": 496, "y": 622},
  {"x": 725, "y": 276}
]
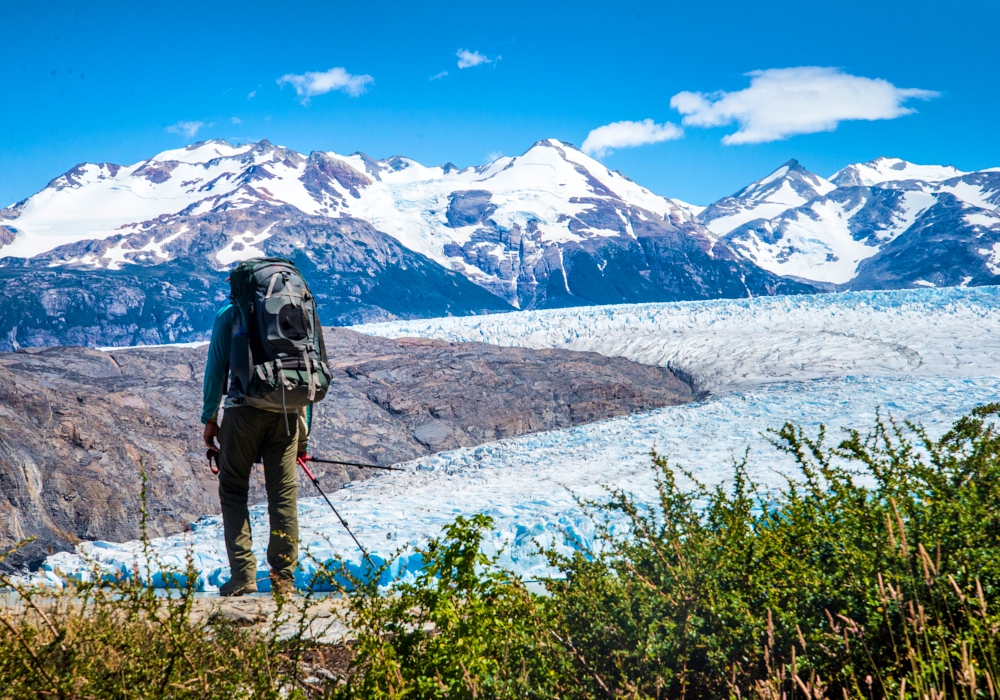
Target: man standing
[{"x": 269, "y": 342}]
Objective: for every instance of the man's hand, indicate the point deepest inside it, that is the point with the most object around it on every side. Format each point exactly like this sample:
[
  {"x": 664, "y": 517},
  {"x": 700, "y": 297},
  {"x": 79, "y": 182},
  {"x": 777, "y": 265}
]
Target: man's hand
[{"x": 211, "y": 432}]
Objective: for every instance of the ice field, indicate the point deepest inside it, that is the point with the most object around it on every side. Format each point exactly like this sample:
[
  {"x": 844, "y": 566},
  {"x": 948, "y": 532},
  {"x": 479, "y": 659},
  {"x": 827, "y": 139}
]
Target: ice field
[{"x": 927, "y": 355}]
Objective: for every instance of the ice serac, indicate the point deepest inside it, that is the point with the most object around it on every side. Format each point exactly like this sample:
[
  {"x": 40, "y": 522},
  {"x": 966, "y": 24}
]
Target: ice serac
[{"x": 789, "y": 186}]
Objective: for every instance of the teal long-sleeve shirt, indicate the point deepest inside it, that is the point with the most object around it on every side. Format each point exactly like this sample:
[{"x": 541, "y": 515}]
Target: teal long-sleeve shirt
[
  {"x": 217, "y": 366},
  {"x": 218, "y": 362}
]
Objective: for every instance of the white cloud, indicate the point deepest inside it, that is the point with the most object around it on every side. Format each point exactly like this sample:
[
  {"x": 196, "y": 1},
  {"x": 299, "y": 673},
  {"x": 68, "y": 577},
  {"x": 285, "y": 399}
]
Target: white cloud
[
  {"x": 188, "y": 129},
  {"x": 312, "y": 83},
  {"x": 253, "y": 93},
  {"x": 627, "y": 134},
  {"x": 439, "y": 75},
  {"x": 493, "y": 156},
  {"x": 469, "y": 59},
  {"x": 236, "y": 120},
  {"x": 782, "y": 102}
]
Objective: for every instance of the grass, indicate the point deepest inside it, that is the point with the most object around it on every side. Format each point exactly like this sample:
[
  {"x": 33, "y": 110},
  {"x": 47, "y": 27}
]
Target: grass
[{"x": 874, "y": 573}]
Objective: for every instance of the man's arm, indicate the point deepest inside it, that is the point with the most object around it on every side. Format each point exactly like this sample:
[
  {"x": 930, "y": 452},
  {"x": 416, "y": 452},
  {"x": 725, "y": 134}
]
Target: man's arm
[
  {"x": 305, "y": 421},
  {"x": 215, "y": 371}
]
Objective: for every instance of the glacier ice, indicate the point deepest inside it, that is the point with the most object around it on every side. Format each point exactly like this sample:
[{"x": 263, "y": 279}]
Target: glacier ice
[{"x": 926, "y": 355}]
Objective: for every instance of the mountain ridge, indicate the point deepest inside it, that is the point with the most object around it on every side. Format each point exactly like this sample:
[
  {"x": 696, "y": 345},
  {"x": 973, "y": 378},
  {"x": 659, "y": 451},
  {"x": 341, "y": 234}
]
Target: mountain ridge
[{"x": 392, "y": 238}]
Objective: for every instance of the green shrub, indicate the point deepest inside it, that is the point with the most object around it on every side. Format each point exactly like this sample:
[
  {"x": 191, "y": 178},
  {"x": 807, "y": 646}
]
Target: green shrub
[
  {"x": 874, "y": 573},
  {"x": 832, "y": 588},
  {"x": 462, "y": 629}
]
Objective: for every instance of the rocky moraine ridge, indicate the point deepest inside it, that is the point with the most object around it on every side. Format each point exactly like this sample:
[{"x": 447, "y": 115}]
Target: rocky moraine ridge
[{"x": 76, "y": 423}]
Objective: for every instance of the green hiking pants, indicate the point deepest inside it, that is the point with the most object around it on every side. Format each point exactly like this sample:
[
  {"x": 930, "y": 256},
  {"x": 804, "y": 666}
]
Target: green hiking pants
[{"x": 245, "y": 434}]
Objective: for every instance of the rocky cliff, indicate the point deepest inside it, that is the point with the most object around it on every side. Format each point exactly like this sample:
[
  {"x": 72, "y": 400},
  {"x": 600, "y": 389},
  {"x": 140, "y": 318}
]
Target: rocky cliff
[{"x": 76, "y": 423}]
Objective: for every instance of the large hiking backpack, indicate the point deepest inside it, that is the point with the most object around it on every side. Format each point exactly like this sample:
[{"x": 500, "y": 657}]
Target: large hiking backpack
[{"x": 279, "y": 357}]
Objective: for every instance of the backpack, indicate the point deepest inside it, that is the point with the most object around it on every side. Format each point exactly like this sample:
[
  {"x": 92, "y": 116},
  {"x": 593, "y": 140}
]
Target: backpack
[{"x": 278, "y": 356}]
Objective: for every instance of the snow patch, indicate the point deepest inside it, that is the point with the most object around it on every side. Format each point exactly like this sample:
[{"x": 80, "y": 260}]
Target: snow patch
[
  {"x": 993, "y": 259},
  {"x": 202, "y": 152},
  {"x": 243, "y": 247}
]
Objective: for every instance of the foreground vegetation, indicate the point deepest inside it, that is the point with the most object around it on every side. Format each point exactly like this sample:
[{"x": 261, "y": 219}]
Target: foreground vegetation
[{"x": 873, "y": 574}]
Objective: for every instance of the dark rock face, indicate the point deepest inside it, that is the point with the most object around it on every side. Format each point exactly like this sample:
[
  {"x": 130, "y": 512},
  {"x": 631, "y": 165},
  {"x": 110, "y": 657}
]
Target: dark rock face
[
  {"x": 469, "y": 207},
  {"x": 95, "y": 308},
  {"x": 7, "y": 234},
  {"x": 75, "y": 423},
  {"x": 950, "y": 244},
  {"x": 357, "y": 274},
  {"x": 322, "y": 171}
]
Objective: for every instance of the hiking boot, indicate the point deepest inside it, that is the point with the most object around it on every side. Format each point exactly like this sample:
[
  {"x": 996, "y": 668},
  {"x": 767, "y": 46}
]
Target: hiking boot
[
  {"x": 237, "y": 586},
  {"x": 281, "y": 586}
]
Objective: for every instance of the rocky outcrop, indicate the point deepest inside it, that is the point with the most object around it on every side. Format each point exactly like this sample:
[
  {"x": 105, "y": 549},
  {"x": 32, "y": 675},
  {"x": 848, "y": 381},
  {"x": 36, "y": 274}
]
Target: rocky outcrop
[{"x": 77, "y": 424}]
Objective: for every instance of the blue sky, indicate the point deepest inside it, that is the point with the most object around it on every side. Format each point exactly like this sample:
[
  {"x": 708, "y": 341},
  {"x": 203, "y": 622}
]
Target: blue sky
[{"x": 111, "y": 81}]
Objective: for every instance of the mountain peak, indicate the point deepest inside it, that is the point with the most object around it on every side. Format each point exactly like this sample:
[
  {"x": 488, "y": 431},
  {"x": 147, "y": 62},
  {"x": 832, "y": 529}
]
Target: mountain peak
[
  {"x": 886, "y": 169},
  {"x": 791, "y": 174},
  {"x": 552, "y": 143},
  {"x": 205, "y": 151},
  {"x": 790, "y": 185}
]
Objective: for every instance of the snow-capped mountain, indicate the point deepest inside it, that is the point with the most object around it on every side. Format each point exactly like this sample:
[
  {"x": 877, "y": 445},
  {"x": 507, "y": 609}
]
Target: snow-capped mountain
[
  {"x": 393, "y": 238},
  {"x": 882, "y": 169},
  {"x": 791, "y": 185},
  {"x": 551, "y": 227},
  {"x": 548, "y": 228},
  {"x": 843, "y": 232}
]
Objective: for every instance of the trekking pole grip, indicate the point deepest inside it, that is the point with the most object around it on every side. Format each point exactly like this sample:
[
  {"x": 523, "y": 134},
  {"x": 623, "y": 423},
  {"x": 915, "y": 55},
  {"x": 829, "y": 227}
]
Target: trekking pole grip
[{"x": 302, "y": 463}]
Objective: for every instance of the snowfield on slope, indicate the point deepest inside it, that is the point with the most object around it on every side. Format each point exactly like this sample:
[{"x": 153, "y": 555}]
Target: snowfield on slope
[{"x": 926, "y": 355}]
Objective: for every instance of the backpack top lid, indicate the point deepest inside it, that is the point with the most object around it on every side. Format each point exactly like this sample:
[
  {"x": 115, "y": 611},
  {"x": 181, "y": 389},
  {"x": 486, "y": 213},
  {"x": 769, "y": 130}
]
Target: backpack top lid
[{"x": 243, "y": 282}]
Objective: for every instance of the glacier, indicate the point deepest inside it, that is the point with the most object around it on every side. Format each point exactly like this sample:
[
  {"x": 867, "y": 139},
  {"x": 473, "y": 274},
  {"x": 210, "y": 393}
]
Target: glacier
[{"x": 924, "y": 355}]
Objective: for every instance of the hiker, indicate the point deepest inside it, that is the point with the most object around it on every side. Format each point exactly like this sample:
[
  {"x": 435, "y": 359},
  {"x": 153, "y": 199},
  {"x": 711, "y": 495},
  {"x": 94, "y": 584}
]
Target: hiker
[{"x": 267, "y": 338}]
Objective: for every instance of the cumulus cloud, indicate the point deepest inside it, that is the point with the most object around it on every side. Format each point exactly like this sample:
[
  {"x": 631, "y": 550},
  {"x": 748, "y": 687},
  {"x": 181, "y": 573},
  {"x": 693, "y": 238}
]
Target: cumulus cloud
[
  {"x": 627, "y": 134},
  {"x": 469, "y": 59},
  {"x": 188, "y": 129},
  {"x": 783, "y": 102},
  {"x": 313, "y": 83},
  {"x": 439, "y": 75}
]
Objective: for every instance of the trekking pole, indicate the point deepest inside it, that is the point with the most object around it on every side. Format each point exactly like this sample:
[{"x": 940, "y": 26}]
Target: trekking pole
[
  {"x": 364, "y": 552},
  {"x": 354, "y": 464}
]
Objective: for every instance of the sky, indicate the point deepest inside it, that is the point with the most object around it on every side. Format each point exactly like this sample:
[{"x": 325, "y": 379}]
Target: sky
[{"x": 693, "y": 100}]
